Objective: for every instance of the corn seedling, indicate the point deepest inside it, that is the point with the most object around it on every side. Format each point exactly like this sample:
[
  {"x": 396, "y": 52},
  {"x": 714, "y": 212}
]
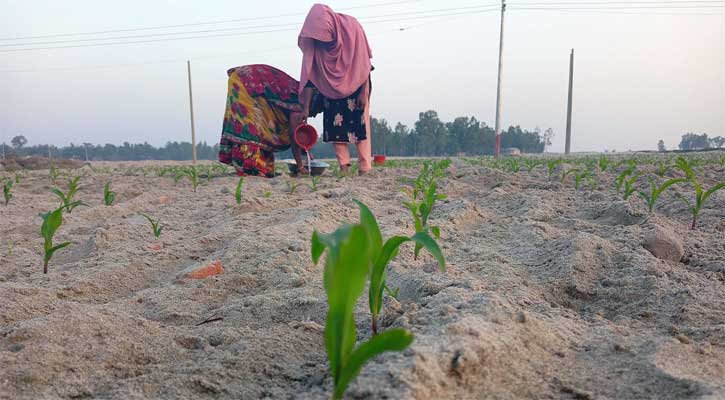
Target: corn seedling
[
  {"x": 155, "y": 225},
  {"x": 267, "y": 194},
  {"x": 701, "y": 195},
  {"x": 53, "y": 174},
  {"x": 51, "y": 222},
  {"x": 603, "y": 163},
  {"x": 621, "y": 178},
  {"x": 579, "y": 177},
  {"x": 292, "y": 187},
  {"x": 630, "y": 185},
  {"x": 551, "y": 166},
  {"x": 569, "y": 172},
  {"x": 108, "y": 194},
  {"x": 314, "y": 181},
  {"x": 345, "y": 274},
  {"x": 17, "y": 178},
  {"x": 178, "y": 174},
  {"x": 193, "y": 175},
  {"x": 513, "y": 165},
  {"x": 7, "y": 191},
  {"x": 661, "y": 169},
  {"x": 655, "y": 191},
  {"x": 423, "y": 197},
  {"x": 381, "y": 254},
  {"x": 67, "y": 202},
  {"x": 238, "y": 190},
  {"x": 530, "y": 164}
]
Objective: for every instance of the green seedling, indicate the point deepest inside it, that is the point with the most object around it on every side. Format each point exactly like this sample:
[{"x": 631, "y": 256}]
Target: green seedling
[
  {"x": 655, "y": 191},
  {"x": 51, "y": 222},
  {"x": 423, "y": 196},
  {"x": 53, "y": 174},
  {"x": 292, "y": 187},
  {"x": 661, "y": 169},
  {"x": 238, "y": 190},
  {"x": 621, "y": 178},
  {"x": 630, "y": 185},
  {"x": 579, "y": 177},
  {"x": 314, "y": 181},
  {"x": 530, "y": 164},
  {"x": 381, "y": 254},
  {"x": 345, "y": 275},
  {"x": 569, "y": 172},
  {"x": 193, "y": 175},
  {"x": 67, "y": 202},
  {"x": 701, "y": 195},
  {"x": 108, "y": 194},
  {"x": 603, "y": 163},
  {"x": 7, "y": 191},
  {"x": 178, "y": 174},
  {"x": 513, "y": 165},
  {"x": 267, "y": 194},
  {"x": 155, "y": 225},
  {"x": 17, "y": 178},
  {"x": 551, "y": 166}
]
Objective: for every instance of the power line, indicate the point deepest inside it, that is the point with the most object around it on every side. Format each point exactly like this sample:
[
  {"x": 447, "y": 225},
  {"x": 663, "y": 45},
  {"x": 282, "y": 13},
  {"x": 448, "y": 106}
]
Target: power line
[
  {"x": 226, "y": 34},
  {"x": 253, "y": 52},
  {"x": 657, "y": 2},
  {"x": 433, "y": 13},
  {"x": 214, "y": 22},
  {"x": 632, "y": 7}
]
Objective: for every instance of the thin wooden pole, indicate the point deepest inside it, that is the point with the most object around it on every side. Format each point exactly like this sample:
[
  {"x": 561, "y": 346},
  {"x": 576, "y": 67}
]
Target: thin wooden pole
[
  {"x": 191, "y": 111},
  {"x": 498, "y": 91},
  {"x": 569, "y": 104}
]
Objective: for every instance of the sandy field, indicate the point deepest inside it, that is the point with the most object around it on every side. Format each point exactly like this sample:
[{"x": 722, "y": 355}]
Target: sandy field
[{"x": 549, "y": 291}]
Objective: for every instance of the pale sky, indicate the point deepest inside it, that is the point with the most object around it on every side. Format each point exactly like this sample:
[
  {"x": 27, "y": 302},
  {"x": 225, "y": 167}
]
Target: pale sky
[{"x": 640, "y": 76}]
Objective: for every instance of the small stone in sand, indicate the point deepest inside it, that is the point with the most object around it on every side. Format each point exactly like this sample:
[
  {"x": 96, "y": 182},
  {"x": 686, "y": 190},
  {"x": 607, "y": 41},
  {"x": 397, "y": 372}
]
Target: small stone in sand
[
  {"x": 664, "y": 244},
  {"x": 203, "y": 271}
]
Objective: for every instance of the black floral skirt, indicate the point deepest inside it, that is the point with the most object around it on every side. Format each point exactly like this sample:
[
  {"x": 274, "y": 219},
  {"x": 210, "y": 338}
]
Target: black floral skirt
[{"x": 343, "y": 120}]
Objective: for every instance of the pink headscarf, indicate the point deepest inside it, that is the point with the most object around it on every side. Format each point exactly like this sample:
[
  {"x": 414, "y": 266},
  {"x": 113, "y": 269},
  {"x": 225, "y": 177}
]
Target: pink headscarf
[{"x": 339, "y": 66}]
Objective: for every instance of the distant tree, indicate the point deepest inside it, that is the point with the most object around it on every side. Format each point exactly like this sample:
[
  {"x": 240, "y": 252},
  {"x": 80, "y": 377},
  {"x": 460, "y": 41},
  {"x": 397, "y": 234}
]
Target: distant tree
[
  {"x": 18, "y": 142},
  {"x": 718, "y": 141},
  {"x": 693, "y": 141},
  {"x": 661, "y": 146}
]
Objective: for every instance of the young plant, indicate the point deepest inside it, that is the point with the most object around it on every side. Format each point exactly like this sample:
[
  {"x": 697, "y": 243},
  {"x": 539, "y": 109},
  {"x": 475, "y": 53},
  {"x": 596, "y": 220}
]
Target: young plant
[
  {"x": 53, "y": 174},
  {"x": 423, "y": 197},
  {"x": 603, "y": 163},
  {"x": 17, "y": 178},
  {"x": 108, "y": 194},
  {"x": 345, "y": 275},
  {"x": 67, "y": 202},
  {"x": 267, "y": 194},
  {"x": 530, "y": 164},
  {"x": 7, "y": 188},
  {"x": 579, "y": 177},
  {"x": 661, "y": 169},
  {"x": 155, "y": 225},
  {"x": 238, "y": 190},
  {"x": 622, "y": 177},
  {"x": 292, "y": 187},
  {"x": 655, "y": 191},
  {"x": 551, "y": 166},
  {"x": 51, "y": 222},
  {"x": 381, "y": 254},
  {"x": 701, "y": 195},
  {"x": 193, "y": 175},
  {"x": 314, "y": 181},
  {"x": 513, "y": 165},
  {"x": 630, "y": 185},
  {"x": 569, "y": 172}
]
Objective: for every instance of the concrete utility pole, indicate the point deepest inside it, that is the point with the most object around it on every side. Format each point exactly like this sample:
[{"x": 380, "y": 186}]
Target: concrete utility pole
[
  {"x": 568, "y": 107},
  {"x": 498, "y": 91},
  {"x": 191, "y": 109}
]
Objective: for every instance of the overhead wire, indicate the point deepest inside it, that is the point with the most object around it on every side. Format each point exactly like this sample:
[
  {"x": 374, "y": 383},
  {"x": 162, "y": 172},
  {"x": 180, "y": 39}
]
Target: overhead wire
[{"x": 245, "y": 33}]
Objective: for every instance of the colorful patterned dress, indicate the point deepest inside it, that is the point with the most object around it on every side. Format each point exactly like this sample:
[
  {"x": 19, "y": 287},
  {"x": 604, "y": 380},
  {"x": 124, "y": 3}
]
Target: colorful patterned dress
[
  {"x": 343, "y": 120},
  {"x": 256, "y": 122}
]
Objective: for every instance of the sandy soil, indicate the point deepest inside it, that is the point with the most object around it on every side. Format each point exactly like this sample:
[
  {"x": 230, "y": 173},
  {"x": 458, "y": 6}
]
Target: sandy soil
[{"x": 549, "y": 293}]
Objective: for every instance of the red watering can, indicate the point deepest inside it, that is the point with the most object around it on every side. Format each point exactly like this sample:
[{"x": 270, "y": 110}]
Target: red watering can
[{"x": 306, "y": 137}]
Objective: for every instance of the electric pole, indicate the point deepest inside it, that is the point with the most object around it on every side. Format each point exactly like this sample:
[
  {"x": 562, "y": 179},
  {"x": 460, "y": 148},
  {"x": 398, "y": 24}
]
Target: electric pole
[
  {"x": 498, "y": 91},
  {"x": 568, "y": 107},
  {"x": 191, "y": 109}
]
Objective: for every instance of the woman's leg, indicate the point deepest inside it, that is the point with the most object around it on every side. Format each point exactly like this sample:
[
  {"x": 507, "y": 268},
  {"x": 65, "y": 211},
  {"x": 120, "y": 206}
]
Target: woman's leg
[
  {"x": 342, "y": 153},
  {"x": 364, "y": 148}
]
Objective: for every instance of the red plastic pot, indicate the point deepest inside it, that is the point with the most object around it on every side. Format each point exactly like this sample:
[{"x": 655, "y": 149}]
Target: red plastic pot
[
  {"x": 379, "y": 159},
  {"x": 305, "y": 136}
]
